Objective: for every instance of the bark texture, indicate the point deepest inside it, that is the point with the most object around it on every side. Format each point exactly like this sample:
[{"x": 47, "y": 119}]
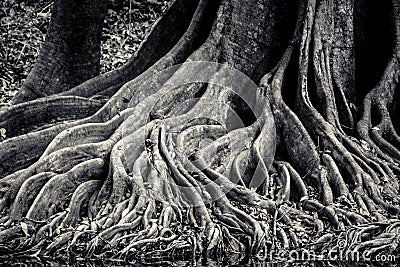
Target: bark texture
[
  {"x": 159, "y": 160},
  {"x": 71, "y": 53}
]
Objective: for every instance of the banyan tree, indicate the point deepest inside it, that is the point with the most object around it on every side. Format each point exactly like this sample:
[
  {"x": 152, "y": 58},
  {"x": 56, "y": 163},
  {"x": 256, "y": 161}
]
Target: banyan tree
[{"x": 237, "y": 128}]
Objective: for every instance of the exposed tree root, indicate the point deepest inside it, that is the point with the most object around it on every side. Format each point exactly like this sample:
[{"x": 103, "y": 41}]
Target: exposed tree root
[{"x": 177, "y": 161}]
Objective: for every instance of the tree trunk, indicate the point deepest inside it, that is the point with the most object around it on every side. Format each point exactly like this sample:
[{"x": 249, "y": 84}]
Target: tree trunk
[
  {"x": 238, "y": 128},
  {"x": 71, "y": 53}
]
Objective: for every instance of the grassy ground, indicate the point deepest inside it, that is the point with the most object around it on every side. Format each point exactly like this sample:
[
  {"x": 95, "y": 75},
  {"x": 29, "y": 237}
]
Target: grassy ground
[{"x": 23, "y": 28}]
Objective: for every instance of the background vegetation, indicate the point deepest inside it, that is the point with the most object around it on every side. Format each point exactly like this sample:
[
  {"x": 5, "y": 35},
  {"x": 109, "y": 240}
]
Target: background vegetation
[{"x": 24, "y": 26}]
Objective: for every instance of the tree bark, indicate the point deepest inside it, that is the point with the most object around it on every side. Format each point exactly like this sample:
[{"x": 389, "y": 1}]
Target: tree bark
[
  {"x": 255, "y": 130},
  {"x": 71, "y": 52}
]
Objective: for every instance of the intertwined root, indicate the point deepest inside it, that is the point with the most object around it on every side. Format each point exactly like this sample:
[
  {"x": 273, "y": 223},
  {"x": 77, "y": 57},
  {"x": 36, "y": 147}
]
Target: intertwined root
[
  {"x": 171, "y": 166},
  {"x": 362, "y": 243}
]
